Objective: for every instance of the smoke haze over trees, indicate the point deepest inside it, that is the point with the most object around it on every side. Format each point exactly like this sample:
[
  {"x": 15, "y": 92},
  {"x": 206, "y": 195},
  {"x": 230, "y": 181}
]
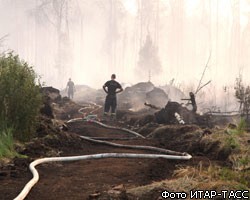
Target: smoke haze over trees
[{"x": 89, "y": 40}]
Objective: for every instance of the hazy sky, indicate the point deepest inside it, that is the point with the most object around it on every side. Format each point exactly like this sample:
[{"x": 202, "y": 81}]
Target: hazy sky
[{"x": 104, "y": 37}]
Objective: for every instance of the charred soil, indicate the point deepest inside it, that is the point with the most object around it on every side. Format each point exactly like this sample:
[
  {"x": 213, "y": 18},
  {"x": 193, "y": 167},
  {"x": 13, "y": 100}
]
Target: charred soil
[{"x": 96, "y": 179}]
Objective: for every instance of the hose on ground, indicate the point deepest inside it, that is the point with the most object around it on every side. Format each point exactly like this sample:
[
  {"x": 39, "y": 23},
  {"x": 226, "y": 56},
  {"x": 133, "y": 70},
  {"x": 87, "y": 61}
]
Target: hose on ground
[
  {"x": 35, "y": 174},
  {"x": 91, "y": 118},
  {"x": 89, "y": 106},
  {"x": 166, "y": 151},
  {"x": 116, "y": 128},
  {"x": 34, "y": 180},
  {"x": 106, "y": 126}
]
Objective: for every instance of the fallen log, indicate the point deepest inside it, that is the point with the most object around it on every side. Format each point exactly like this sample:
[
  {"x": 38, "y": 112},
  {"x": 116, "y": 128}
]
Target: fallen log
[{"x": 152, "y": 106}]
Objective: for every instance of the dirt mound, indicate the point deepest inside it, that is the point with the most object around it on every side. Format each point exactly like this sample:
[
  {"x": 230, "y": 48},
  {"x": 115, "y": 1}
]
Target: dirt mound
[
  {"x": 191, "y": 139},
  {"x": 157, "y": 97},
  {"x": 148, "y": 128},
  {"x": 174, "y": 93},
  {"x": 178, "y": 137},
  {"x": 50, "y": 95},
  {"x": 135, "y": 96},
  {"x": 143, "y": 86},
  {"x": 214, "y": 149},
  {"x": 52, "y": 144},
  {"x": 138, "y": 118}
]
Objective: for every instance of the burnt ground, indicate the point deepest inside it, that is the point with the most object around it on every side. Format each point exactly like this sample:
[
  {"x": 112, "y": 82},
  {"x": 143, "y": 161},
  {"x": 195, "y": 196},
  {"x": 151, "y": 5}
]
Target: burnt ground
[{"x": 92, "y": 179}]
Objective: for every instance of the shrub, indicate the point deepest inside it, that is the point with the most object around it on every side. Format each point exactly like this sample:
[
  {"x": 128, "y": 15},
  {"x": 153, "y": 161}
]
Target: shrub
[
  {"x": 20, "y": 97},
  {"x": 242, "y": 126},
  {"x": 7, "y": 144},
  {"x": 242, "y": 93}
]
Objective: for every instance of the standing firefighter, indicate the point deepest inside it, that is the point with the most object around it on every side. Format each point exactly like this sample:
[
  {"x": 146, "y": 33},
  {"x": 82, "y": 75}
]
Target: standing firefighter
[
  {"x": 110, "y": 87},
  {"x": 71, "y": 88}
]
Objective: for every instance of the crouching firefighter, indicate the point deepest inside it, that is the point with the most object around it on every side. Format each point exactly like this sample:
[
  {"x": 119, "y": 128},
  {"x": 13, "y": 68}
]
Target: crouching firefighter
[{"x": 111, "y": 87}]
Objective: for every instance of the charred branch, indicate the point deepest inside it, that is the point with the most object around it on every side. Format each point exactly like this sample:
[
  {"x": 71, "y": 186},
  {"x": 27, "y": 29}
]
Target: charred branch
[{"x": 152, "y": 106}]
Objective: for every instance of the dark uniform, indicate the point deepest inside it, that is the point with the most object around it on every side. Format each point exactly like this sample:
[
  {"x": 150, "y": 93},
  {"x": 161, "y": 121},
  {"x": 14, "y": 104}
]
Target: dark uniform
[
  {"x": 71, "y": 87},
  {"x": 110, "y": 101},
  {"x": 193, "y": 102}
]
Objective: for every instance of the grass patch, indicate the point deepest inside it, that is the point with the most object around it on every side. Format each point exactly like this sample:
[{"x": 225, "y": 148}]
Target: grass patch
[
  {"x": 185, "y": 179},
  {"x": 235, "y": 139},
  {"x": 213, "y": 177},
  {"x": 239, "y": 130},
  {"x": 232, "y": 136},
  {"x": 7, "y": 149}
]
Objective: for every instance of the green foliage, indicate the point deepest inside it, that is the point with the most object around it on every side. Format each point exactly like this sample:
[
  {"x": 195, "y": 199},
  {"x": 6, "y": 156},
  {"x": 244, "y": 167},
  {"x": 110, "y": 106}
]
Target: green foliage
[
  {"x": 240, "y": 130},
  {"x": 227, "y": 174},
  {"x": 232, "y": 139},
  {"x": 7, "y": 144},
  {"x": 237, "y": 139},
  {"x": 233, "y": 175},
  {"x": 232, "y": 142},
  {"x": 242, "y": 125},
  {"x": 242, "y": 93},
  {"x": 20, "y": 97},
  {"x": 242, "y": 187}
]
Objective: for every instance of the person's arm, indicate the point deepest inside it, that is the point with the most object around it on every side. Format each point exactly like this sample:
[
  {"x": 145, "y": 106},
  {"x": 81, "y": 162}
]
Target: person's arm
[
  {"x": 67, "y": 86},
  {"x": 119, "y": 87},
  {"x": 104, "y": 88},
  {"x": 119, "y": 90}
]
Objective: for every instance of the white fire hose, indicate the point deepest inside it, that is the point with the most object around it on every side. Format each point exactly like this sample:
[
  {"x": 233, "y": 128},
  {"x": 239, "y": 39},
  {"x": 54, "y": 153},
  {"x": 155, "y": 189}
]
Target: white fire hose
[
  {"x": 34, "y": 180},
  {"x": 166, "y": 151}
]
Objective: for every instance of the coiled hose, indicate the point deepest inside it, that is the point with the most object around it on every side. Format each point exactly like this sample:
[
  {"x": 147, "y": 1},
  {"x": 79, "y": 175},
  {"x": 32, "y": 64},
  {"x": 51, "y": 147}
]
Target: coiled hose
[{"x": 34, "y": 180}]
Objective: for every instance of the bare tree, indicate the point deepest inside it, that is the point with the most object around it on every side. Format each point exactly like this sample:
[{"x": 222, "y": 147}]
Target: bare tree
[
  {"x": 56, "y": 13},
  {"x": 245, "y": 43},
  {"x": 199, "y": 87},
  {"x": 2, "y": 39},
  {"x": 235, "y": 34},
  {"x": 148, "y": 59},
  {"x": 177, "y": 33},
  {"x": 114, "y": 18}
]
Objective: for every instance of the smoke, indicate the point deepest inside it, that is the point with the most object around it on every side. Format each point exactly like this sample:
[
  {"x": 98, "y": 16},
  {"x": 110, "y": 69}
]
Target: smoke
[
  {"x": 149, "y": 62},
  {"x": 133, "y": 39}
]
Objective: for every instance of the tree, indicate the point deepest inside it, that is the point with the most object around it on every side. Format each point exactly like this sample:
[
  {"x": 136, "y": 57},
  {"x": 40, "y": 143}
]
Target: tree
[
  {"x": 2, "y": 39},
  {"x": 20, "y": 97},
  {"x": 148, "y": 59},
  {"x": 235, "y": 34},
  {"x": 56, "y": 13},
  {"x": 115, "y": 41},
  {"x": 242, "y": 93},
  {"x": 176, "y": 41}
]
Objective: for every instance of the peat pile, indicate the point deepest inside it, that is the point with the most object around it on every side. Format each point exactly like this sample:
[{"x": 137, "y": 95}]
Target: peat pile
[
  {"x": 174, "y": 93},
  {"x": 50, "y": 135},
  {"x": 174, "y": 112},
  {"x": 134, "y": 96}
]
